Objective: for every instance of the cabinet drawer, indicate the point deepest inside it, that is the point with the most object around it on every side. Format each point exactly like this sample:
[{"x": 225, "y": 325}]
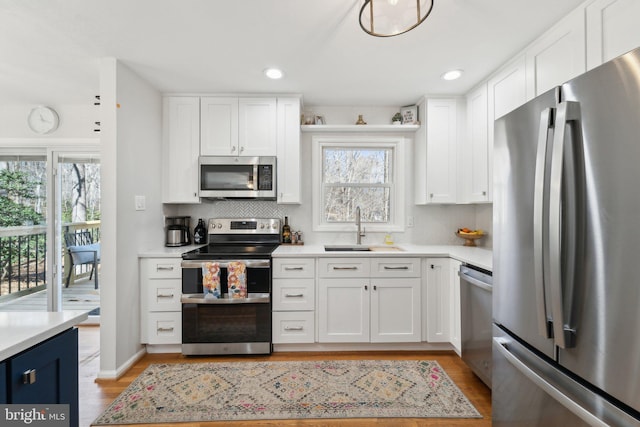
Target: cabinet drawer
[
  {"x": 293, "y": 327},
  {"x": 159, "y": 268},
  {"x": 343, "y": 267},
  {"x": 164, "y": 327},
  {"x": 395, "y": 267},
  {"x": 164, "y": 294},
  {"x": 293, "y": 294},
  {"x": 293, "y": 267}
]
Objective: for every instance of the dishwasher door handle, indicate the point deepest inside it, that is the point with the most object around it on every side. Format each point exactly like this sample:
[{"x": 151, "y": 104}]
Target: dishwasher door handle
[{"x": 475, "y": 282}]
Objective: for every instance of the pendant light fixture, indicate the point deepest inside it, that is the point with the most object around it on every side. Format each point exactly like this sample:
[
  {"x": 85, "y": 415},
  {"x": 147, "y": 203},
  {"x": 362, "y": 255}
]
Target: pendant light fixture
[{"x": 386, "y": 18}]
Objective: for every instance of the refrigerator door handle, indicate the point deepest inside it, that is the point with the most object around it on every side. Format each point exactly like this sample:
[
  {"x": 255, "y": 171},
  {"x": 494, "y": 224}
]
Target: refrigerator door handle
[
  {"x": 540, "y": 251},
  {"x": 501, "y": 345},
  {"x": 562, "y": 175}
]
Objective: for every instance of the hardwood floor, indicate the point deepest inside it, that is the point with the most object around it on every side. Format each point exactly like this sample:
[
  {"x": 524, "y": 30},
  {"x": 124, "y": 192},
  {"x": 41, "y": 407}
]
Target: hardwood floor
[{"x": 95, "y": 396}]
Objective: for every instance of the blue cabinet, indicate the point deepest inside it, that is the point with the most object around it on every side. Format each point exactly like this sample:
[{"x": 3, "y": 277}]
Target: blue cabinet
[
  {"x": 3, "y": 383},
  {"x": 45, "y": 374}
]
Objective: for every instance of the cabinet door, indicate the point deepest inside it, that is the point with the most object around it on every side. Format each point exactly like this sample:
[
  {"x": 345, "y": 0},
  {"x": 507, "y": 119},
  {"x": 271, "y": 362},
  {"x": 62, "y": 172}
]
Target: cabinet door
[
  {"x": 474, "y": 155},
  {"x": 288, "y": 150},
  {"x": 454, "y": 289},
  {"x": 3, "y": 384},
  {"x": 181, "y": 147},
  {"x": 257, "y": 127},
  {"x": 438, "y": 300},
  {"x": 395, "y": 310},
  {"x": 557, "y": 56},
  {"x": 54, "y": 364},
  {"x": 612, "y": 29},
  {"x": 506, "y": 90},
  {"x": 441, "y": 150},
  {"x": 343, "y": 310},
  {"x": 218, "y": 126}
]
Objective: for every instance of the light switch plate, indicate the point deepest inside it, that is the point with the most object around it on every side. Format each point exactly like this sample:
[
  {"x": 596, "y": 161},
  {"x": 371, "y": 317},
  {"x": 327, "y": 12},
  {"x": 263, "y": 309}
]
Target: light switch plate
[
  {"x": 410, "y": 221},
  {"x": 141, "y": 203}
]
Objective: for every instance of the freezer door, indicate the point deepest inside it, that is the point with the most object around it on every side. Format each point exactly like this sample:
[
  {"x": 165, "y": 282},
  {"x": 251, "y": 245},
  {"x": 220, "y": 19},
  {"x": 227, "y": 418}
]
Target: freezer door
[
  {"x": 603, "y": 310},
  {"x": 528, "y": 390},
  {"x": 519, "y": 302}
]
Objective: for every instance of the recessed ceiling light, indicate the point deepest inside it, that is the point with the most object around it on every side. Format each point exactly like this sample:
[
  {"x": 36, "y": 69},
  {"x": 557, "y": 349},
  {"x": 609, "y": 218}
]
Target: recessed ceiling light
[
  {"x": 273, "y": 73},
  {"x": 452, "y": 75}
]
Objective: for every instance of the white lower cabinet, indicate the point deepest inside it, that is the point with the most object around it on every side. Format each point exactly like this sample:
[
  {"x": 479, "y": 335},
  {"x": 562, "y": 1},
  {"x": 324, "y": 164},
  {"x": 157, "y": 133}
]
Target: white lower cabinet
[
  {"x": 293, "y": 317},
  {"x": 160, "y": 291},
  {"x": 438, "y": 300},
  {"x": 369, "y": 300},
  {"x": 454, "y": 293}
]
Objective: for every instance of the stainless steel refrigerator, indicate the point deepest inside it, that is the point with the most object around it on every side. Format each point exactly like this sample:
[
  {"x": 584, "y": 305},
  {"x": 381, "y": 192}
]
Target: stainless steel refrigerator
[{"x": 566, "y": 295}]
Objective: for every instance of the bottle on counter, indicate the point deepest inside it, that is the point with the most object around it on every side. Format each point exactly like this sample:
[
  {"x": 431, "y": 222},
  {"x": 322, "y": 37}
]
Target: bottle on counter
[
  {"x": 200, "y": 233},
  {"x": 286, "y": 231}
]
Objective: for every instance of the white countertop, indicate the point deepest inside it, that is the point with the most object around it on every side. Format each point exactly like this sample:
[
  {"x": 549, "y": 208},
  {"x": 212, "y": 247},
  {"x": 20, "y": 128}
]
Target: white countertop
[
  {"x": 479, "y": 257},
  {"x": 167, "y": 252},
  {"x": 20, "y": 330}
]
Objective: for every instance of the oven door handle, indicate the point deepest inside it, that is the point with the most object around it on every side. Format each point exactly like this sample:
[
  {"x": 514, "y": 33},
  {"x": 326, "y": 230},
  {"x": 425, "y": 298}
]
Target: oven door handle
[
  {"x": 250, "y": 263},
  {"x": 200, "y": 299}
]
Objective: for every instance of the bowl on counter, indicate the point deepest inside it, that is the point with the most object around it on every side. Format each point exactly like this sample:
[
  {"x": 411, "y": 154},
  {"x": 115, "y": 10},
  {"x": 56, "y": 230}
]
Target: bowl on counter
[{"x": 469, "y": 238}]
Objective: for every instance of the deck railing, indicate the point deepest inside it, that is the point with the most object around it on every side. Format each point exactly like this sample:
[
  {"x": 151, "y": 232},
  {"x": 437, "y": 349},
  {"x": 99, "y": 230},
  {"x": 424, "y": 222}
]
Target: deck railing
[{"x": 23, "y": 252}]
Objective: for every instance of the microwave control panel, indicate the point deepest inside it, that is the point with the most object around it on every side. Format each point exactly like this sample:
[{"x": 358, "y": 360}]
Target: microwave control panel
[{"x": 265, "y": 177}]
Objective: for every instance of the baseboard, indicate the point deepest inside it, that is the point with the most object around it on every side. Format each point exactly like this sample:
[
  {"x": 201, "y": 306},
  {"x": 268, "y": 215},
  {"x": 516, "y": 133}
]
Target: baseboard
[
  {"x": 115, "y": 374},
  {"x": 423, "y": 346}
]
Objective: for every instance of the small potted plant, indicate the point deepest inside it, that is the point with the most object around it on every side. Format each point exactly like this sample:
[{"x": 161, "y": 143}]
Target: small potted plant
[{"x": 397, "y": 119}]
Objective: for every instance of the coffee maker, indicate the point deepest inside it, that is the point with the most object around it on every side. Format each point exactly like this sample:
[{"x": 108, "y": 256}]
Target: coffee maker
[{"x": 177, "y": 231}]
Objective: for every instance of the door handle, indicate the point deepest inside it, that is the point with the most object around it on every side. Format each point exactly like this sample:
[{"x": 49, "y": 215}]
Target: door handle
[
  {"x": 386, "y": 267},
  {"x": 540, "y": 227},
  {"x": 562, "y": 175},
  {"x": 294, "y": 295},
  {"x": 29, "y": 376},
  {"x": 294, "y": 268}
]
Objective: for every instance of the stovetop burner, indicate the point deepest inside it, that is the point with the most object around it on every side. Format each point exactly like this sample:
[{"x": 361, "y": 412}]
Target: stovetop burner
[{"x": 239, "y": 237}]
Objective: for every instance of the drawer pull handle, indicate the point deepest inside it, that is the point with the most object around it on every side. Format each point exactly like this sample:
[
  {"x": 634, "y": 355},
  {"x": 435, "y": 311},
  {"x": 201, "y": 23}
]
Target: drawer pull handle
[
  {"x": 164, "y": 268},
  {"x": 345, "y": 268},
  {"x": 294, "y": 295},
  {"x": 29, "y": 376},
  {"x": 165, "y": 295},
  {"x": 165, "y": 329},
  {"x": 294, "y": 268},
  {"x": 404, "y": 267},
  {"x": 293, "y": 328}
]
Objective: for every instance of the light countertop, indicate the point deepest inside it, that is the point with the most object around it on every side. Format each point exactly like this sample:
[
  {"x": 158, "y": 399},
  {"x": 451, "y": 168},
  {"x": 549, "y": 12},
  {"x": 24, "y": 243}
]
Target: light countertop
[
  {"x": 167, "y": 252},
  {"x": 479, "y": 257},
  {"x": 20, "y": 330}
]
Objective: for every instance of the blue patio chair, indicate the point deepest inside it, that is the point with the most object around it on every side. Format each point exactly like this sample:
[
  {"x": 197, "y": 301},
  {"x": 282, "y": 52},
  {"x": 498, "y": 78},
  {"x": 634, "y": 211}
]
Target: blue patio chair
[{"x": 82, "y": 251}]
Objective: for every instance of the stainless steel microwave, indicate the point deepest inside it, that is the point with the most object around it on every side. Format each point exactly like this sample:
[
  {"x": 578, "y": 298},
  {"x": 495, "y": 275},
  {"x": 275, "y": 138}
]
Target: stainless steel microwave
[{"x": 243, "y": 177}]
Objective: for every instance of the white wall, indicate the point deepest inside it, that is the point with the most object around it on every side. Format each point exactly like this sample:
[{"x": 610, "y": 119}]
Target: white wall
[
  {"x": 433, "y": 224},
  {"x": 131, "y": 116},
  {"x": 76, "y": 121}
]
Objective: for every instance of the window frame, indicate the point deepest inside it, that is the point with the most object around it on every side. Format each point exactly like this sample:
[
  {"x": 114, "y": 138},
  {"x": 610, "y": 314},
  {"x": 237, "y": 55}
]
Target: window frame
[{"x": 397, "y": 180}]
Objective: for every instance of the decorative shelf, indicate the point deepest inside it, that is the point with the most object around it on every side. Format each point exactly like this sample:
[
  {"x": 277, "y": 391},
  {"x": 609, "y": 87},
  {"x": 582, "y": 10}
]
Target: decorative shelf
[{"x": 359, "y": 128}]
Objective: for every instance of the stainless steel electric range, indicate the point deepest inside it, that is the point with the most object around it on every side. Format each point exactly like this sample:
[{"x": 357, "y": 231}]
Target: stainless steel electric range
[{"x": 225, "y": 325}]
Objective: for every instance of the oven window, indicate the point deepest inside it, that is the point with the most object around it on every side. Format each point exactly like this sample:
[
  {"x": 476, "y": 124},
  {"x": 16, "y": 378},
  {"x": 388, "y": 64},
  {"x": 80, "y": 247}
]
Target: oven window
[
  {"x": 226, "y": 323},
  {"x": 227, "y": 177}
]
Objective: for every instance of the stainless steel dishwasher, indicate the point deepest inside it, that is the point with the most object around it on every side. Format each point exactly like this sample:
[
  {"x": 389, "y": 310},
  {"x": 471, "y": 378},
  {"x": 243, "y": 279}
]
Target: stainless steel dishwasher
[{"x": 476, "y": 320}]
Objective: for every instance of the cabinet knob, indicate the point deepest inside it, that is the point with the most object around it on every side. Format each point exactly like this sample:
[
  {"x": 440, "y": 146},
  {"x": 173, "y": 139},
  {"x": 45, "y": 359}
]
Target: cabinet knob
[
  {"x": 366, "y": 288},
  {"x": 484, "y": 193},
  {"x": 375, "y": 288},
  {"x": 433, "y": 266},
  {"x": 241, "y": 149},
  {"x": 233, "y": 149},
  {"x": 29, "y": 376},
  {"x": 431, "y": 195}
]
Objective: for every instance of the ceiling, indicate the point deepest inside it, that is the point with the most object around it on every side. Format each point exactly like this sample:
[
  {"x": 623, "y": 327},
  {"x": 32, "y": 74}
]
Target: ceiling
[{"x": 50, "y": 49}]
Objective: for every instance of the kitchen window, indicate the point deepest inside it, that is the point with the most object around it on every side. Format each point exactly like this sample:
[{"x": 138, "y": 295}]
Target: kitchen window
[{"x": 358, "y": 172}]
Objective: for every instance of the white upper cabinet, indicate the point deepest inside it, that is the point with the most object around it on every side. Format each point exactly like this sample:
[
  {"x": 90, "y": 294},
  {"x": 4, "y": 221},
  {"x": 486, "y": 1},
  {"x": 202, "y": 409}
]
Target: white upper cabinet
[
  {"x": 232, "y": 126},
  {"x": 435, "y": 153},
  {"x": 612, "y": 29},
  {"x": 506, "y": 90},
  {"x": 557, "y": 56},
  {"x": 218, "y": 126},
  {"x": 257, "y": 126},
  {"x": 180, "y": 149},
  {"x": 474, "y": 152},
  {"x": 288, "y": 149}
]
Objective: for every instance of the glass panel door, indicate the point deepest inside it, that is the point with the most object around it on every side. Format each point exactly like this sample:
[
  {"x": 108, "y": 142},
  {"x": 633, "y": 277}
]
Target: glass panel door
[{"x": 23, "y": 232}]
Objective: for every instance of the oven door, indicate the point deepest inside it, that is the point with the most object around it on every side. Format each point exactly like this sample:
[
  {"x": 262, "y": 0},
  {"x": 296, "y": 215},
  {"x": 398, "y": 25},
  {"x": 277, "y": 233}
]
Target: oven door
[{"x": 226, "y": 325}]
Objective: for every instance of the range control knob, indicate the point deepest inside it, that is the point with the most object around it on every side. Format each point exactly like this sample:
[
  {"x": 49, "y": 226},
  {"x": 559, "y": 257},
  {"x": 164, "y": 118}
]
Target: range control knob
[
  {"x": 261, "y": 226},
  {"x": 274, "y": 226},
  {"x": 219, "y": 225}
]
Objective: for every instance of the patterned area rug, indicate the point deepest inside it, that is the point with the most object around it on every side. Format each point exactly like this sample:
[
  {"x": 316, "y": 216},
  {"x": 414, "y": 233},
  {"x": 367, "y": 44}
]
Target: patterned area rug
[{"x": 192, "y": 392}]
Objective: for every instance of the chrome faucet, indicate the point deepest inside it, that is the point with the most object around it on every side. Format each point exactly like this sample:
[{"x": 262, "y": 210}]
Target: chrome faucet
[{"x": 360, "y": 233}]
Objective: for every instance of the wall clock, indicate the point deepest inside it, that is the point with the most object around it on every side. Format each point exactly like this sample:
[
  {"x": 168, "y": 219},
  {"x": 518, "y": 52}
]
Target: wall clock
[{"x": 43, "y": 120}]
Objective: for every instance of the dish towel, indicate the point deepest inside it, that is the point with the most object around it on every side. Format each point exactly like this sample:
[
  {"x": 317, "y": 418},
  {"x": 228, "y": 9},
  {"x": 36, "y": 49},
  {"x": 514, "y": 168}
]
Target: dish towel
[
  {"x": 237, "y": 279},
  {"x": 211, "y": 279}
]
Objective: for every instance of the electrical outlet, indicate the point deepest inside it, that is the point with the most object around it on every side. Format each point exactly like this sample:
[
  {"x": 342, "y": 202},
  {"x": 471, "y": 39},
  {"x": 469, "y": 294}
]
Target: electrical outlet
[
  {"x": 410, "y": 221},
  {"x": 141, "y": 203}
]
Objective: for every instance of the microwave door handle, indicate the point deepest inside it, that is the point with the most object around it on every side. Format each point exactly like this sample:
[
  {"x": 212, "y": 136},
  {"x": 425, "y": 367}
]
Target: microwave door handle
[{"x": 255, "y": 175}]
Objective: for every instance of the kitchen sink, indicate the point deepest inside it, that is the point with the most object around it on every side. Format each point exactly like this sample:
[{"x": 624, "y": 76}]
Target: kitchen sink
[
  {"x": 346, "y": 248},
  {"x": 361, "y": 248}
]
